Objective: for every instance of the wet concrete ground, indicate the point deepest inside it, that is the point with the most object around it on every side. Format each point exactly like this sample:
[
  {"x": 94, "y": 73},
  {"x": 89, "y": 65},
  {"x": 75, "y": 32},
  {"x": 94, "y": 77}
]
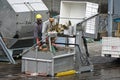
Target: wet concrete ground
[{"x": 104, "y": 69}]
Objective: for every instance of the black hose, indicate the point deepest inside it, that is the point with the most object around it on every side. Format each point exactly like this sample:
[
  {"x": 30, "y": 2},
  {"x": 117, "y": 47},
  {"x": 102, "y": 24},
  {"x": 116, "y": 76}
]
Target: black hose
[{"x": 85, "y": 44}]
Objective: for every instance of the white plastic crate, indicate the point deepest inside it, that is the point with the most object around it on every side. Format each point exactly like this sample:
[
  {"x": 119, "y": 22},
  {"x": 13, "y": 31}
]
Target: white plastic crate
[
  {"x": 115, "y": 54},
  {"x": 111, "y": 46},
  {"x": 111, "y": 41},
  {"x": 76, "y": 11}
]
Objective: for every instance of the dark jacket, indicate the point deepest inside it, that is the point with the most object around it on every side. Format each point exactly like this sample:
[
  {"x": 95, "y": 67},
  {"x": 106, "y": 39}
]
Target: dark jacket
[{"x": 37, "y": 30}]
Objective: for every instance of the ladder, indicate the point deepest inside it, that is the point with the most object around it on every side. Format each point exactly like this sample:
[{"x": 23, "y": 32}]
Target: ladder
[{"x": 82, "y": 60}]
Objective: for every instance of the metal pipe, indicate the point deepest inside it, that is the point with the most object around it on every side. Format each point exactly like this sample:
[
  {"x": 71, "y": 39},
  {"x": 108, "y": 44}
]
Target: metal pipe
[
  {"x": 110, "y": 18},
  {"x": 87, "y": 19},
  {"x": 64, "y": 55},
  {"x": 30, "y": 8},
  {"x": 71, "y": 18},
  {"x": 32, "y": 47},
  {"x": 34, "y": 11},
  {"x": 7, "y": 51},
  {"x": 33, "y": 59},
  {"x": 50, "y": 45}
]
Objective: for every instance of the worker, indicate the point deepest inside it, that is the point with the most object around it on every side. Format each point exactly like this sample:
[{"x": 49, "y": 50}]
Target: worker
[
  {"x": 51, "y": 24},
  {"x": 51, "y": 27},
  {"x": 38, "y": 30}
]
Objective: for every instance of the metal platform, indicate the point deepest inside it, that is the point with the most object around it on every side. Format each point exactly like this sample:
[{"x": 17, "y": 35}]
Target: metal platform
[{"x": 49, "y": 63}]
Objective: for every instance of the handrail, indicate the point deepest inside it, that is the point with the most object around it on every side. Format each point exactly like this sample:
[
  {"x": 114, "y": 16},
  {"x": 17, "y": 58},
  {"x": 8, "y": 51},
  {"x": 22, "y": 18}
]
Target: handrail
[
  {"x": 80, "y": 54},
  {"x": 31, "y": 47},
  {"x": 87, "y": 19}
]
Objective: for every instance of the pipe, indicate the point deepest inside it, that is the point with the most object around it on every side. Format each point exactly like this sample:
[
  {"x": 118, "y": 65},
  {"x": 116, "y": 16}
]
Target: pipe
[
  {"x": 33, "y": 59},
  {"x": 110, "y": 18},
  {"x": 31, "y": 47}
]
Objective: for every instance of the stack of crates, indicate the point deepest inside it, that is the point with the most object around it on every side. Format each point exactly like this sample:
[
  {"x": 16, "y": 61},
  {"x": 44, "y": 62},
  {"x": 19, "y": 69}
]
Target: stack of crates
[{"x": 111, "y": 46}]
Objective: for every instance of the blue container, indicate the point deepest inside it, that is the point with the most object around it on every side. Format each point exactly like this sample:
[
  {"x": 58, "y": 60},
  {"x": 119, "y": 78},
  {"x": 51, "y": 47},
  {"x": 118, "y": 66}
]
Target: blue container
[{"x": 116, "y": 20}]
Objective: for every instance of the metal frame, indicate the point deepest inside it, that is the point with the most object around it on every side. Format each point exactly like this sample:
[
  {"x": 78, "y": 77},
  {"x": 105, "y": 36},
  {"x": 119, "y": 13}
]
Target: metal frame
[{"x": 7, "y": 51}]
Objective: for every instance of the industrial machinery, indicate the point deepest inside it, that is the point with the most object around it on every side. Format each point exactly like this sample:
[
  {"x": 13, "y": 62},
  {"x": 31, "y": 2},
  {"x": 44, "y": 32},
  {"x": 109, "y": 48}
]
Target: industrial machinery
[
  {"x": 19, "y": 16},
  {"x": 57, "y": 59},
  {"x": 16, "y": 25},
  {"x": 71, "y": 53}
]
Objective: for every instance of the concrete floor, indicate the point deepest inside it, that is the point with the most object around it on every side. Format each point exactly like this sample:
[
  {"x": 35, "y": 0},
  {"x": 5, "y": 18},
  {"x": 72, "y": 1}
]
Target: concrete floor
[{"x": 104, "y": 69}]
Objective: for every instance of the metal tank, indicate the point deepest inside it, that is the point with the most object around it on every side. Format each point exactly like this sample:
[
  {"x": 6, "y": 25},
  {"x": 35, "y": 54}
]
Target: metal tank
[{"x": 18, "y": 16}]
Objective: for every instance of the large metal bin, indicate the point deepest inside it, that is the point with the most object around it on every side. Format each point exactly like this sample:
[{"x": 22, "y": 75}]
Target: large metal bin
[
  {"x": 47, "y": 63},
  {"x": 19, "y": 16}
]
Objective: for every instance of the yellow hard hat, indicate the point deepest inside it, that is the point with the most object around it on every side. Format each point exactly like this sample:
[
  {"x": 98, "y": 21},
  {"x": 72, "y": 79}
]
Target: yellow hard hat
[{"x": 38, "y": 16}]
